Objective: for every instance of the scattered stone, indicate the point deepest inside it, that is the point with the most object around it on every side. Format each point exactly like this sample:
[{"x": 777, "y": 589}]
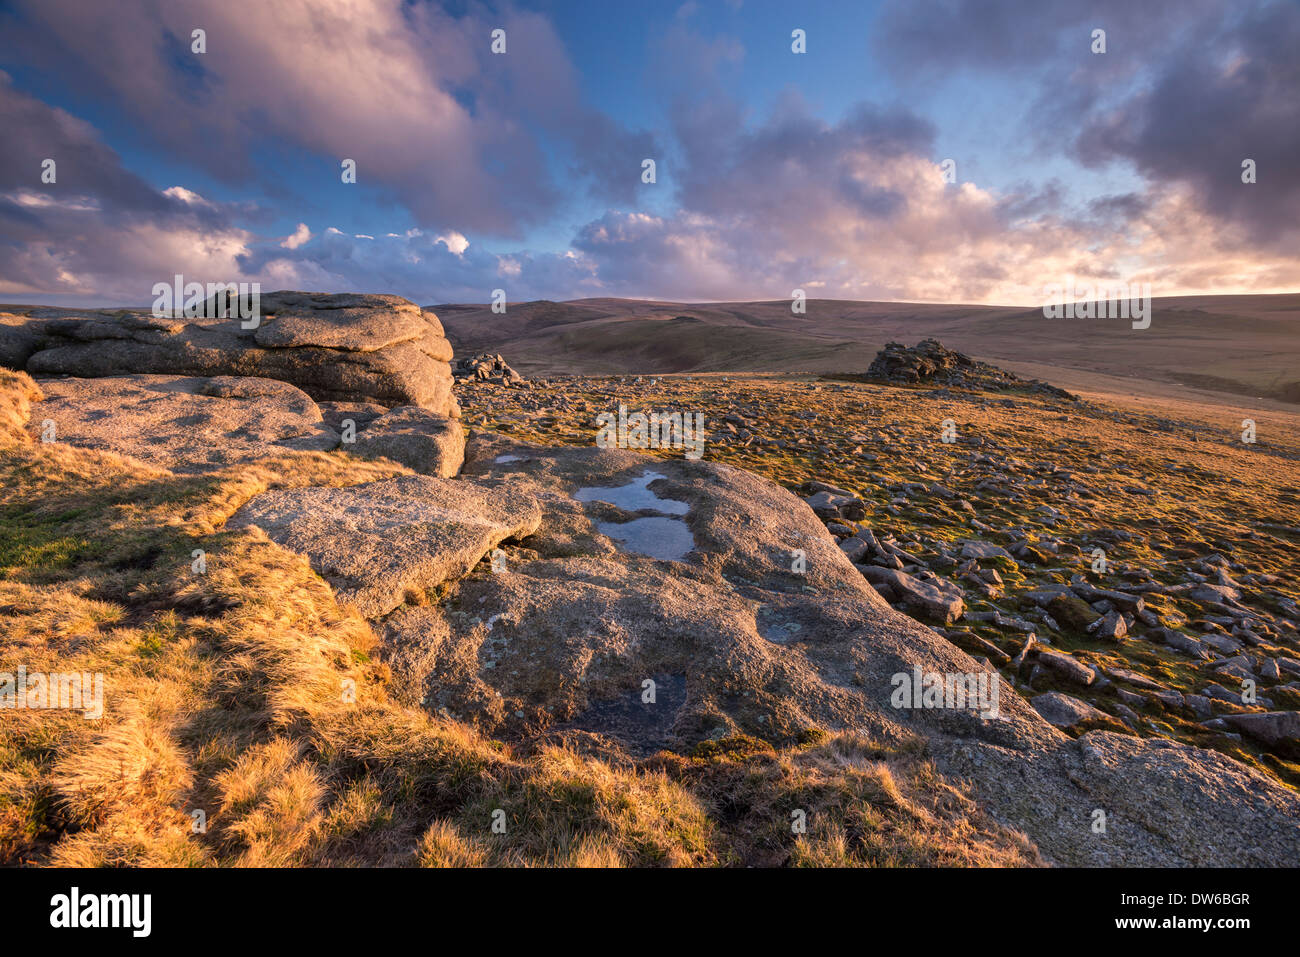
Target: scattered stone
[
  {"x": 1065, "y": 711},
  {"x": 976, "y": 549},
  {"x": 932, "y": 599},
  {"x": 1067, "y": 667},
  {"x": 1133, "y": 678},
  {"x": 1072, "y": 612},
  {"x": 1181, "y": 642},
  {"x": 1110, "y": 628},
  {"x": 1277, "y": 730}
]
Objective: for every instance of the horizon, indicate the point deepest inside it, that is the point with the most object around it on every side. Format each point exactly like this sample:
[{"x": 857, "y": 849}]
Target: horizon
[
  {"x": 842, "y": 148},
  {"x": 693, "y": 302}
]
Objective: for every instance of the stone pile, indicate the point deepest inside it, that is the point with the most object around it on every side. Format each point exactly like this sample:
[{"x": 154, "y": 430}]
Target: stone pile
[
  {"x": 930, "y": 362},
  {"x": 488, "y": 367}
]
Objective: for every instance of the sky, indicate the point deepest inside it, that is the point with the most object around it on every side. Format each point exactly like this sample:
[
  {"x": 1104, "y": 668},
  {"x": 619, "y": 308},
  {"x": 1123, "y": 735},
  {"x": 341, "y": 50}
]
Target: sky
[{"x": 946, "y": 151}]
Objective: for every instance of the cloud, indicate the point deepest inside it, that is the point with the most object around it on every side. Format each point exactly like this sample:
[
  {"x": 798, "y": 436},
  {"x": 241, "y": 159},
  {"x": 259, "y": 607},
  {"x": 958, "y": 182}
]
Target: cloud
[
  {"x": 749, "y": 205},
  {"x": 409, "y": 91},
  {"x": 859, "y": 210},
  {"x": 98, "y": 232},
  {"x": 299, "y": 236},
  {"x": 1186, "y": 90},
  {"x": 1230, "y": 93},
  {"x": 454, "y": 241}
]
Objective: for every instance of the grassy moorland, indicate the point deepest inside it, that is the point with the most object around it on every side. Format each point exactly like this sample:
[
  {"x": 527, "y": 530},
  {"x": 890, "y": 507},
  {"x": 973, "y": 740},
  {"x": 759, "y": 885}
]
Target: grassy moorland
[
  {"x": 1166, "y": 489},
  {"x": 247, "y": 694},
  {"x": 1244, "y": 345}
]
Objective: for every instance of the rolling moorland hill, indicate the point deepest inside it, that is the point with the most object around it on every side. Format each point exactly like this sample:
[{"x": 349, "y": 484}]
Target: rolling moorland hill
[{"x": 1240, "y": 345}]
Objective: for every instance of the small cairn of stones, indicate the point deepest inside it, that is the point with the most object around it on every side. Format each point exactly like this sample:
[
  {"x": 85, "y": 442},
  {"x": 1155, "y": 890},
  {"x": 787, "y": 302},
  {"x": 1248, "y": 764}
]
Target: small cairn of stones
[
  {"x": 931, "y": 362},
  {"x": 488, "y": 368}
]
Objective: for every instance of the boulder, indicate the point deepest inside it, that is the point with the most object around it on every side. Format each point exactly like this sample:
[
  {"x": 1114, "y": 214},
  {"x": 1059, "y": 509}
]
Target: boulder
[
  {"x": 185, "y": 424},
  {"x": 421, "y": 440},
  {"x": 338, "y": 416},
  {"x": 931, "y": 599},
  {"x": 19, "y": 338},
  {"x": 1110, "y": 627},
  {"x": 1210, "y": 592},
  {"x": 488, "y": 367},
  {"x": 1071, "y": 611},
  {"x": 1071, "y": 669},
  {"x": 976, "y": 549},
  {"x": 378, "y": 542},
  {"x": 334, "y": 347},
  {"x": 1165, "y": 803},
  {"x": 931, "y": 362},
  {"x": 1277, "y": 730},
  {"x": 677, "y": 572},
  {"x": 1065, "y": 711}
]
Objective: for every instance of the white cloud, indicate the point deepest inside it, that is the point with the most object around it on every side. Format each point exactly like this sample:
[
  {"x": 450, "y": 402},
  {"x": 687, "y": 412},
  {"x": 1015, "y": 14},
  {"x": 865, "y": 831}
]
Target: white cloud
[
  {"x": 455, "y": 242},
  {"x": 299, "y": 236},
  {"x": 186, "y": 196}
]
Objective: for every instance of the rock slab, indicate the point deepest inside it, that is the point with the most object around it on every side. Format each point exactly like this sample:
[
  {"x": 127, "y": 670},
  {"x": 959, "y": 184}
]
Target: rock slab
[
  {"x": 377, "y": 542},
  {"x": 421, "y": 440},
  {"x": 183, "y": 423}
]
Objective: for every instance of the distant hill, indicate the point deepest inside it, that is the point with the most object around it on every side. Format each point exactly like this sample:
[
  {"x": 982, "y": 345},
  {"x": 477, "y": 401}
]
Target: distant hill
[{"x": 1244, "y": 345}]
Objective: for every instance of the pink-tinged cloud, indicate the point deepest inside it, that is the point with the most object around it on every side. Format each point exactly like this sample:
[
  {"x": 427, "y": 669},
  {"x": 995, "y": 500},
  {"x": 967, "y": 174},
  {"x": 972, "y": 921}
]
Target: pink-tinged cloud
[
  {"x": 412, "y": 94},
  {"x": 751, "y": 205}
]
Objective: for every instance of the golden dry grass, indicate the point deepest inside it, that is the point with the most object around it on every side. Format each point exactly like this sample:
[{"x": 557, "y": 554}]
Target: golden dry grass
[{"x": 247, "y": 724}]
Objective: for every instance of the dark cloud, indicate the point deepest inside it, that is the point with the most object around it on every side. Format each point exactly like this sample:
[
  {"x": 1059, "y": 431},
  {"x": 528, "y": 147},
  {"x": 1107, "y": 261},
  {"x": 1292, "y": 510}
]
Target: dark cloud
[
  {"x": 1186, "y": 90},
  {"x": 98, "y": 229},
  {"x": 1230, "y": 93},
  {"x": 794, "y": 165},
  {"x": 924, "y": 39},
  {"x": 84, "y": 166}
]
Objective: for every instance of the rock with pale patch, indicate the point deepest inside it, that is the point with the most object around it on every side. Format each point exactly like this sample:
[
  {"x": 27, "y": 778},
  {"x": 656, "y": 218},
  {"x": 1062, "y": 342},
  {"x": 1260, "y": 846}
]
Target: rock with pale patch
[
  {"x": 185, "y": 424},
  {"x": 379, "y": 542}
]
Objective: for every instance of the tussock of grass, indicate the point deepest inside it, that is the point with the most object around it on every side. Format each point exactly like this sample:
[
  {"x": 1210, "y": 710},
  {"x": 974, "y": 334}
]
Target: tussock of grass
[
  {"x": 246, "y": 722},
  {"x": 17, "y": 393},
  {"x": 863, "y": 803}
]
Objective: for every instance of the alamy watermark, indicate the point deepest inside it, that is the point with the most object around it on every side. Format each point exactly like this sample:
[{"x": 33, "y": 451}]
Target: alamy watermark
[
  {"x": 962, "y": 691},
  {"x": 74, "y": 909},
  {"x": 215, "y": 300},
  {"x": 1115, "y": 301},
  {"x": 657, "y": 430},
  {"x": 36, "y": 690}
]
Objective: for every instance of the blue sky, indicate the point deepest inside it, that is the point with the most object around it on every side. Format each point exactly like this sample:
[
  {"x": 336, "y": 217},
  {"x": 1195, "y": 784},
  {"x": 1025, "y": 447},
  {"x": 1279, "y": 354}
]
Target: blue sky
[{"x": 775, "y": 170}]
